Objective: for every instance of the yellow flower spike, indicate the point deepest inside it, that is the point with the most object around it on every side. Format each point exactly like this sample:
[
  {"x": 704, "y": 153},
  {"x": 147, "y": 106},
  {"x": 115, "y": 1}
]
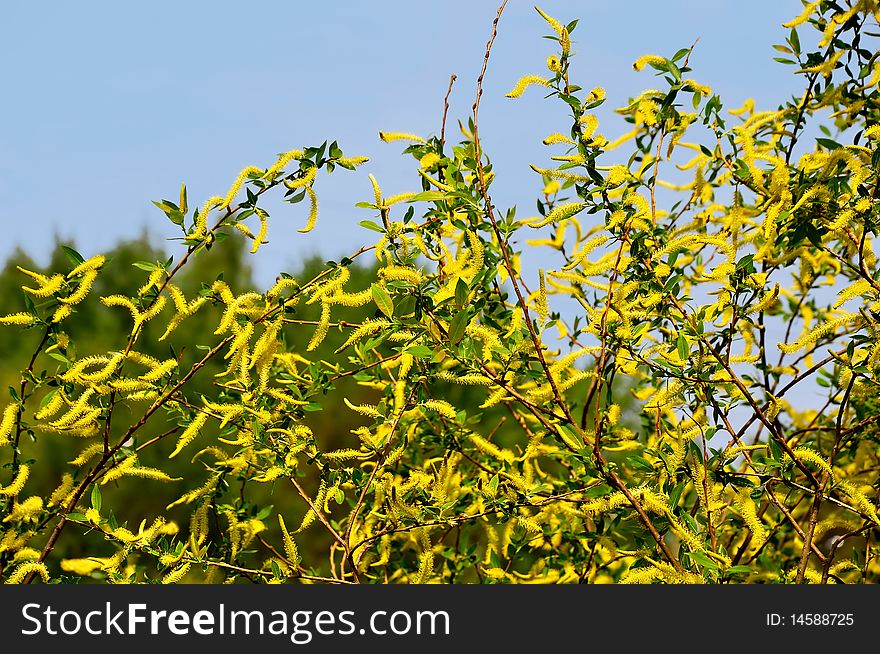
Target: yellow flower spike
[
  {"x": 554, "y": 64},
  {"x": 20, "y": 319},
  {"x": 283, "y": 160},
  {"x": 177, "y": 574},
  {"x": 51, "y": 286},
  {"x": 7, "y": 423},
  {"x": 442, "y": 407},
  {"x": 377, "y": 191},
  {"x": 525, "y": 82},
  {"x": 363, "y": 409},
  {"x": 826, "y": 67},
  {"x": 42, "y": 280},
  {"x": 83, "y": 457},
  {"x": 390, "y": 137},
  {"x": 305, "y": 180},
  {"x": 290, "y": 548},
  {"x": 159, "y": 370},
  {"x": 563, "y": 175},
  {"x": 322, "y": 328},
  {"x": 189, "y": 434},
  {"x": 396, "y": 199},
  {"x": 202, "y": 219},
  {"x": 401, "y": 273},
  {"x": 555, "y": 24},
  {"x": 434, "y": 182},
  {"x": 694, "y": 86},
  {"x": 552, "y": 187},
  {"x": 767, "y": 301},
  {"x": 18, "y": 575},
  {"x": 237, "y": 184},
  {"x": 555, "y": 138},
  {"x": 429, "y": 160},
  {"x": 153, "y": 280},
  {"x": 83, "y": 567},
  {"x": 596, "y": 94},
  {"x": 150, "y": 313},
  {"x": 17, "y": 484},
  {"x": 561, "y": 212},
  {"x": 260, "y": 237},
  {"x": 647, "y": 60},
  {"x": 90, "y": 264},
  {"x": 542, "y": 297},
  {"x": 747, "y": 107},
  {"x": 27, "y": 511},
  {"x": 617, "y": 175},
  {"x": 26, "y": 554},
  {"x": 565, "y": 42},
  {"x": 804, "y": 16},
  {"x": 82, "y": 290},
  {"x": 352, "y": 161}
]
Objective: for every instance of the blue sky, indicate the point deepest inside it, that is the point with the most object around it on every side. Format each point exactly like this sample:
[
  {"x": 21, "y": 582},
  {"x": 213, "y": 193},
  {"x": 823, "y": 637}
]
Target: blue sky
[{"x": 110, "y": 105}]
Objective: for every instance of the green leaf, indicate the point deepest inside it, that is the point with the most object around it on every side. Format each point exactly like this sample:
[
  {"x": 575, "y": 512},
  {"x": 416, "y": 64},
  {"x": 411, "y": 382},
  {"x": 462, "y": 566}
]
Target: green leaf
[
  {"x": 428, "y": 196},
  {"x": 681, "y": 345},
  {"x": 75, "y": 257},
  {"x": 369, "y": 224},
  {"x": 264, "y": 512},
  {"x": 461, "y": 292},
  {"x": 59, "y": 357},
  {"x": 382, "y": 300},
  {"x": 457, "y": 326},
  {"x": 639, "y": 463},
  {"x": 96, "y": 497},
  {"x": 703, "y": 560},
  {"x": 144, "y": 265},
  {"x": 420, "y": 351},
  {"x": 795, "y": 41},
  {"x": 828, "y": 143}
]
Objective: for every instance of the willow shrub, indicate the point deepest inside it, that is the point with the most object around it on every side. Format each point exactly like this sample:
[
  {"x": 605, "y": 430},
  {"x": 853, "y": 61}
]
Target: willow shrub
[{"x": 736, "y": 308}]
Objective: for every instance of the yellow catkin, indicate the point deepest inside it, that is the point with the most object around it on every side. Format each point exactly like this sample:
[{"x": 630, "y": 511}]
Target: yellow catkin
[
  {"x": 290, "y": 549},
  {"x": 26, "y": 511},
  {"x": 804, "y": 16},
  {"x": 442, "y": 407},
  {"x": 176, "y": 575},
  {"x": 561, "y": 212},
  {"x": 7, "y": 423},
  {"x": 555, "y": 24},
  {"x": 322, "y": 328},
  {"x": 313, "y": 212},
  {"x": 92, "y": 263},
  {"x": 390, "y": 137},
  {"x": 749, "y": 513},
  {"x": 18, "y": 575},
  {"x": 525, "y": 82},
  {"x": 47, "y": 286},
  {"x": 21, "y": 319},
  {"x": 647, "y": 60},
  {"x": 61, "y": 493},
  {"x": 189, "y": 434},
  {"x": 17, "y": 484}
]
